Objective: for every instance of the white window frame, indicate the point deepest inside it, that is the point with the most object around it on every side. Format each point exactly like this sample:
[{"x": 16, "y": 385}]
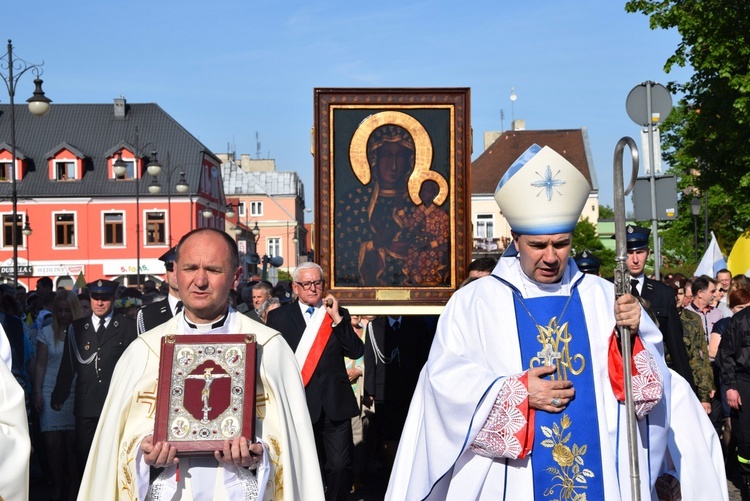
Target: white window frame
[
  {"x": 20, "y": 217},
  {"x": 256, "y": 208},
  {"x": 74, "y": 244},
  {"x": 71, "y": 165},
  {"x": 273, "y": 246},
  {"x": 146, "y": 243},
  {"x": 481, "y": 226},
  {"x": 104, "y": 230}
]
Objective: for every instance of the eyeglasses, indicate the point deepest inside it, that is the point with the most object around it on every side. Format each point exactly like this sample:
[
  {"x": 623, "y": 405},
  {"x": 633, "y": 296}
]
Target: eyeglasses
[
  {"x": 307, "y": 285},
  {"x": 721, "y": 289}
]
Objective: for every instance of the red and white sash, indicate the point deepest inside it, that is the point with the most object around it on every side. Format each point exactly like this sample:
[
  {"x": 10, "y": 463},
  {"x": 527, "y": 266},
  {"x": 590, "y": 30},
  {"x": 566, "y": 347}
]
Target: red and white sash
[{"x": 313, "y": 342}]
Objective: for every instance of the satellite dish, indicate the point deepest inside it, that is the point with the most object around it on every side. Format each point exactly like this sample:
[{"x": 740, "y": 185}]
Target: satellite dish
[{"x": 637, "y": 104}]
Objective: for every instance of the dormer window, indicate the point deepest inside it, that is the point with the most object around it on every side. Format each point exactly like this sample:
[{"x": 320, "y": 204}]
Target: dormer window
[
  {"x": 123, "y": 169},
  {"x": 65, "y": 163},
  {"x": 5, "y": 172},
  {"x": 65, "y": 170}
]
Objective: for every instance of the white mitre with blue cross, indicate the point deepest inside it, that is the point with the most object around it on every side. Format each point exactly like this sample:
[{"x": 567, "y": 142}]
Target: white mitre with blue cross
[{"x": 542, "y": 193}]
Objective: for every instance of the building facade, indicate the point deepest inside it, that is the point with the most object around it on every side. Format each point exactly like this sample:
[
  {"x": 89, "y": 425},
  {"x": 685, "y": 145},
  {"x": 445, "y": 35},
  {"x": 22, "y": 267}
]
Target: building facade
[
  {"x": 84, "y": 186},
  {"x": 491, "y": 232},
  {"x": 269, "y": 212}
]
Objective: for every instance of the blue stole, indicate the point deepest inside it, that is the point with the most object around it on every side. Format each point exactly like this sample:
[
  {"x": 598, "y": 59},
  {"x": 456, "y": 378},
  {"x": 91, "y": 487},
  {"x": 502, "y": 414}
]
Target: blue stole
[{"x": 566, "y": 456}]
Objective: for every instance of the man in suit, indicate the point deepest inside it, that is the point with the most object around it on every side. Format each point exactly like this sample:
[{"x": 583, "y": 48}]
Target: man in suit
[
  {"x": 394, "y": 355},
  {"x": 661, "y": 302},
  {"x": 93, "y": 346},
  {"x": 159, "y": 312},
  {"x": 321, "y": 335}
]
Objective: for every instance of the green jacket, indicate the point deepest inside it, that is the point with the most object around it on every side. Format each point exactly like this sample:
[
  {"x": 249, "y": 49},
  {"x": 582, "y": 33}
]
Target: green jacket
[{"x": 697, "y": 348}]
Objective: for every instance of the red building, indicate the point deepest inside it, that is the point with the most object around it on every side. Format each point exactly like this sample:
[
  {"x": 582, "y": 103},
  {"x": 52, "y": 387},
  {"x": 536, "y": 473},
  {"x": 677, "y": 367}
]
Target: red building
[{"x": 93, "y": 205}]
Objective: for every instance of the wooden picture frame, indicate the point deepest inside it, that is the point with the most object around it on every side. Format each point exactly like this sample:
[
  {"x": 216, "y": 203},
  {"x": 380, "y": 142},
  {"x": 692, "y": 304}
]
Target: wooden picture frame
[
  {"x": 392, "y": 196},
  {"x": 206, "y": 391}
]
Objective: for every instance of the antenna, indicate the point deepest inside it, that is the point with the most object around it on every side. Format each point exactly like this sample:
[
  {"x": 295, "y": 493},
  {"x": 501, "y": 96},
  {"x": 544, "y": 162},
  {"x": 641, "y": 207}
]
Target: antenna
[
  {"x": 502, "y": 120},
  {"x": 257, "y": 145}
]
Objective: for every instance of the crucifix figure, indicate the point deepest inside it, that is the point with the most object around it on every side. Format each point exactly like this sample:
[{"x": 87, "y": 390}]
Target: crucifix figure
[
  {"x": 208, "y": 377},
  {"x": 548, "y": 355}
]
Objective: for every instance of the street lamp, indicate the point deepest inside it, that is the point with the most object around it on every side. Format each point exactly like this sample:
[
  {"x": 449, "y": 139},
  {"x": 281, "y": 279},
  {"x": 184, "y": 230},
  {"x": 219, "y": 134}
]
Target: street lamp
[
  {"x": 154, "y": 188},
  {"x": 39, "y": 106},
  {"x": 695, "y": 210},
  {"x": 119, "y": 167}
]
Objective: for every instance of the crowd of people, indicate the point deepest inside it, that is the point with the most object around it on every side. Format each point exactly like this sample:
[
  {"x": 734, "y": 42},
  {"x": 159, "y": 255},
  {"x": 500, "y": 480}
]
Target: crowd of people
[{"x": 524, "y": 362}]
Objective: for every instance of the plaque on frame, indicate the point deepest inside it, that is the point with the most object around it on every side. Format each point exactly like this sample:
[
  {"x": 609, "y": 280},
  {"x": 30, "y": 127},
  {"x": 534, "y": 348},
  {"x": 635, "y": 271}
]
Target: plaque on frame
[{"x": 206, "y": 391}]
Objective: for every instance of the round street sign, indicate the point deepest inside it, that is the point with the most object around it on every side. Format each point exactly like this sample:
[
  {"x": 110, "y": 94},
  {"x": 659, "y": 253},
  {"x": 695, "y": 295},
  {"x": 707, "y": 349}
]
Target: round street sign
[{"x": 637, "y": 104}]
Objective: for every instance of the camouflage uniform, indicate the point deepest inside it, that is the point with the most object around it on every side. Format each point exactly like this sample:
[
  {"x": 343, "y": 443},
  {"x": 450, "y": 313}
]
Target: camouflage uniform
[{"x": 697, "y": 348}]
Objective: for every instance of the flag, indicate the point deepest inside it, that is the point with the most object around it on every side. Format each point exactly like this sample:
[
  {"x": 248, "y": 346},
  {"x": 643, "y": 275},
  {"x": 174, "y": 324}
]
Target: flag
[
  {"x": 739, "y": 258},
  {"x": 80, "y": 283},
  {"x": 713, "y": 260}
]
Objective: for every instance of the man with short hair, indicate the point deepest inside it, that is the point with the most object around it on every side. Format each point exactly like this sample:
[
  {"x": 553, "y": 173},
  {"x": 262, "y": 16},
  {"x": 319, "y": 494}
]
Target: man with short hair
[
  {"x": 481, "y": 267},
  {"x": 260, "y": 292},
  {"x": 279, "y": 464},
  {"x": 724, "y": 284},
  {"x": 522, "y": 394},
  {"x": 704, "y": 289},
  {"x": 321, "y": 335},
  {"x": 158, "y": 312},
  {"x": 93, "y": 346},
  {"x": 661, "y": 302}
]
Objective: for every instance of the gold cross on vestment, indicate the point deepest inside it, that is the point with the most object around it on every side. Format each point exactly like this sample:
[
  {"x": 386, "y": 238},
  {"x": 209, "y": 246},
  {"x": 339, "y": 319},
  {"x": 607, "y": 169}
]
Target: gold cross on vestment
[
  {"x": 148, "y": 398},
  {"x": 548, "y": 356}
]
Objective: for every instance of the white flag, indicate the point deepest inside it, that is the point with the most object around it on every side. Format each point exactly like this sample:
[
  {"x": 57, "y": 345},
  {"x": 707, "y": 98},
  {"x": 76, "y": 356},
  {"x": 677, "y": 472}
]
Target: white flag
[{"x": 713, "y": 260}]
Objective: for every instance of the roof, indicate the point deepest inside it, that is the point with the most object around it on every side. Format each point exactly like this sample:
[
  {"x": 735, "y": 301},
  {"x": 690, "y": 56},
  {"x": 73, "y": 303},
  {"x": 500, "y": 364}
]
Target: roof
[
  {"x": 491, "y": 165},
  {"x": 239, "y": 182},
  {"x": 93, "y": 131}
]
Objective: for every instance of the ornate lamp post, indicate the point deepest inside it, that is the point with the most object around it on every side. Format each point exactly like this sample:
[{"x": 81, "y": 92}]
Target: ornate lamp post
[
  {"x": 39, "y": 106},
  {"x": 120, "y": 167},
  {"x": 154, "y": 188}
]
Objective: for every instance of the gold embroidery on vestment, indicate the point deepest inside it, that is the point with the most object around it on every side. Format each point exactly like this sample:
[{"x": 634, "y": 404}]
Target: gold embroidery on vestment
[
  {"x": 558, "y": 338},
  {"x": 571, "y": 476},
  {"x": 148, "y": 398}
]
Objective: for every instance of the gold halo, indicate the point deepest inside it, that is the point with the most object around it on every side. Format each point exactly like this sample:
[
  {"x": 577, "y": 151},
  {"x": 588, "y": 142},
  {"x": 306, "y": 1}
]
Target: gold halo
[{"x": 422, "y": 152}]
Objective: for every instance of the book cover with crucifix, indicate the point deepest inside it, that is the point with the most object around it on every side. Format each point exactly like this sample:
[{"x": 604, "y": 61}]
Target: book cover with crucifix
[{"x": 206, "y": 391}]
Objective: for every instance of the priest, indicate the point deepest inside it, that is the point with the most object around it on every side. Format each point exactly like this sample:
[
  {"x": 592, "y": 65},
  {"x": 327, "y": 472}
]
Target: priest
[
  {"x": 522, "y": 394},
  {"x": 280, "y": 463}
]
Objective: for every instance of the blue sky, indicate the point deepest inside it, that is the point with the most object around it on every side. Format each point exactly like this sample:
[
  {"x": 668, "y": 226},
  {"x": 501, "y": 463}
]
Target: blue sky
[{"x": 226, "y": 69}]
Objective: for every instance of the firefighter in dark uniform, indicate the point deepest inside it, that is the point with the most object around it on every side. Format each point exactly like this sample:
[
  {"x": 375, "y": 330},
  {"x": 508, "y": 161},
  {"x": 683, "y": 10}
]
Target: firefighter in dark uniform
[
  {"x": 93, "y": 346},
  {"x": 158, "y": 312}
]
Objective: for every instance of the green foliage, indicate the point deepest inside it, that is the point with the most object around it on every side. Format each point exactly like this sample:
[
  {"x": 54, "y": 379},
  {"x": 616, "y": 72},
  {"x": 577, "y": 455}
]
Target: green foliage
[
  {"x": 705, "y": 139},
  {"x": 606, "y": 212},
  {"x": 283, "y": 275},
  {"x": 586, "y": 238}
]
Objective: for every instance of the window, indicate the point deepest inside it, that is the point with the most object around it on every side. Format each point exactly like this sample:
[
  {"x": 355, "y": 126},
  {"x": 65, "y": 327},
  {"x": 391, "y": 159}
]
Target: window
[
  {"x": 5, "y": 173},
  {"x": 64, "y": 230},
  {"x": 65, "y": 170},
  {"x": 155, "y": 228},
  {"x": 484, "y": 226},
  {"x": 241, "y": 209},
  {"x": 113, "y": 228},
  {"x": 256, "y": 208},
  {"x": 273, "y": 246},
  {"x": 8, "y": 230},
  {"x": 129, "y": 171}
]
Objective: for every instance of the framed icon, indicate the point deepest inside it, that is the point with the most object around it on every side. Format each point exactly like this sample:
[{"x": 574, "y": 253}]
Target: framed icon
[{"x": 392, "y": 194}]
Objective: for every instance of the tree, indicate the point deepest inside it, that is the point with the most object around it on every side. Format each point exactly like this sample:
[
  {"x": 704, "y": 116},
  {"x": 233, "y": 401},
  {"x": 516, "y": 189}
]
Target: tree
[
  {"x": 606, "y": 212},
  {"x": 705, "y": 137},
  {"x": 586, "y": 238}
]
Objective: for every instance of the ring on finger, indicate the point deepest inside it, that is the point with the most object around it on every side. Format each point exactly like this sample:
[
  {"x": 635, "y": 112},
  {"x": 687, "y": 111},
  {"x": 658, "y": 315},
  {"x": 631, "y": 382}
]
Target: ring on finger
[{"x": 556, "y": 402}]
